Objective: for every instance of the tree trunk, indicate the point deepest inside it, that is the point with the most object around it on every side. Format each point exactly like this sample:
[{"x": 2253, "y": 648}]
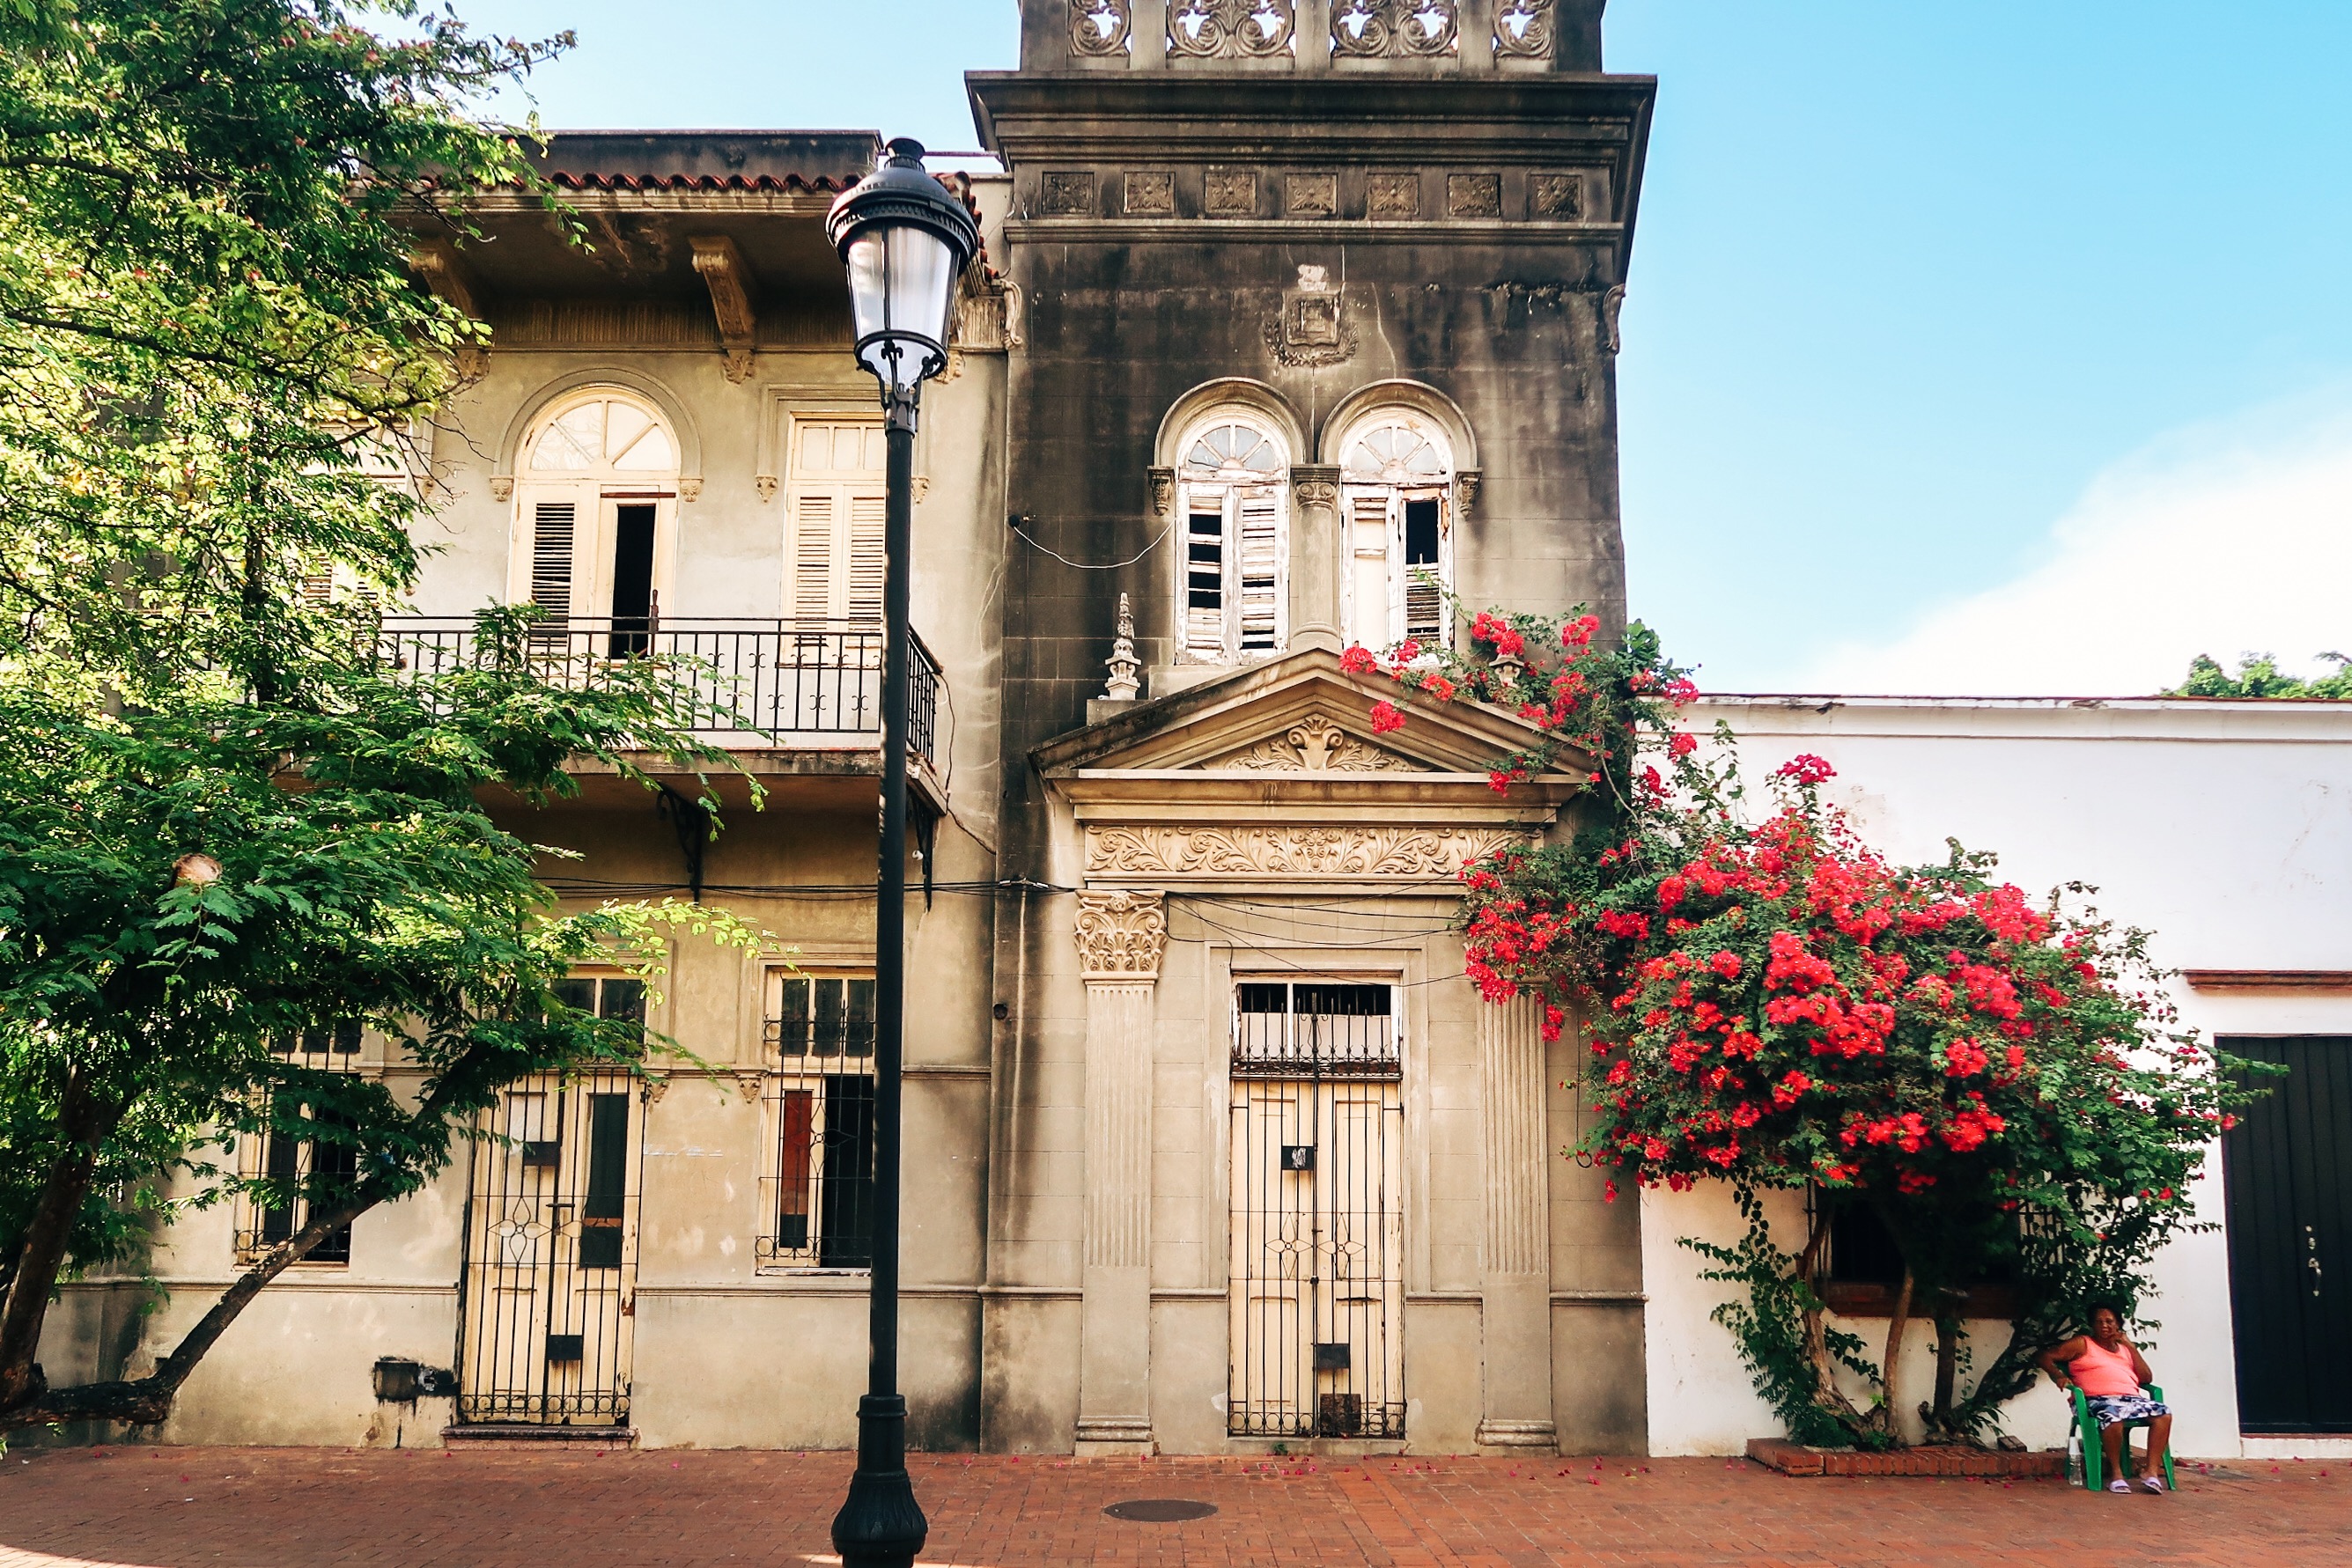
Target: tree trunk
[
  {"x": 1827, "y": 1396},
  {"x": 83, "y": 1122},
  {"x": 146, "y": 1401},
  {"x": 1891, "y": 1369},
  {"x": 1948, "y": 1369}
]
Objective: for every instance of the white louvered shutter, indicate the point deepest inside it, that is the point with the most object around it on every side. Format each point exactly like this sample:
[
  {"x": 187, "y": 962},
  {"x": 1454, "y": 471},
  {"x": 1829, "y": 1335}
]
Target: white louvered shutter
[
  {"x": 1204, "y": 577},
  {"x": 868, "y": 563},
  {"x": 1257, "y": 589},
  {"x": 813, "y": 550},
  {"x": 838, "y": 506},
  {"x": 1371, "y": 584},
  {"x": 554, "y": 525}
]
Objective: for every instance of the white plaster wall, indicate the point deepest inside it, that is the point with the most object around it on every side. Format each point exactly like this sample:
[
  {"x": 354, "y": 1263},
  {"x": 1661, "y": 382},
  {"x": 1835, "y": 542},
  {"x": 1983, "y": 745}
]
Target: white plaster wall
[{"x": 2226, "y": 828}]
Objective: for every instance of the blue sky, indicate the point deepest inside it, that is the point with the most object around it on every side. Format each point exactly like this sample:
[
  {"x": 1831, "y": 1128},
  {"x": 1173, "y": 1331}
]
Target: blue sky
[{"x": 1998, "y": 347}]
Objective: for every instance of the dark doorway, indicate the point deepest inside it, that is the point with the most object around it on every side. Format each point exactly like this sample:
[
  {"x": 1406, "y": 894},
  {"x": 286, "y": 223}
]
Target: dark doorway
[
  {"x": 2288, "y": 1169},
  {"x": 633, "y": 580}
]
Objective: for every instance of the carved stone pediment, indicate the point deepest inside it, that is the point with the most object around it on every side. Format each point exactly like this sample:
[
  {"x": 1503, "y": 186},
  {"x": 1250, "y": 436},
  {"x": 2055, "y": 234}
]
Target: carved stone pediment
[{"x": 1315, "y": 745}]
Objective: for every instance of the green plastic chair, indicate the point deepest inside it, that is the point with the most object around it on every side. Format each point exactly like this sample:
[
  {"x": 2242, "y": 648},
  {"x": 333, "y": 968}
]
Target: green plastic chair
[{"x": 2094, "y": 1452}]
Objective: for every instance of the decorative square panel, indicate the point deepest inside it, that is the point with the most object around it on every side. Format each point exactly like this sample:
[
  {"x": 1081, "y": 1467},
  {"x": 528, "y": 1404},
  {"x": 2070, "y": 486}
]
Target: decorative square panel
[
  {"x": 1394, "y": 196},
  {"x": 1310, "y": 195},
  {"x": 1474, "y": 195},
  {"x": 1558, "y": 196},
  {"x": 1067, "y": 194},
  {"x": 1230, "y": 193},
  {"x": 1151, "y": 195}
]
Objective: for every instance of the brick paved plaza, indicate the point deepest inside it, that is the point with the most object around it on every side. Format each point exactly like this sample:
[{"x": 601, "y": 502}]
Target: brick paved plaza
[{"x": 181, "y": 1508}]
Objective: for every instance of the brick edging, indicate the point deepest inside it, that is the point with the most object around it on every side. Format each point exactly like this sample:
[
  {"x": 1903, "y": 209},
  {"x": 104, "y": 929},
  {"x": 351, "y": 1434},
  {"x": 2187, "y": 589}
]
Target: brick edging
[{"x": 1798, "y": 1460}]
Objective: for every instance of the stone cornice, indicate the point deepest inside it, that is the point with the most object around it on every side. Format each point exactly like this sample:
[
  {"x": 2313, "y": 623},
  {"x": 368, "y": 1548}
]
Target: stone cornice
[{"x": 1324, "y": 231}]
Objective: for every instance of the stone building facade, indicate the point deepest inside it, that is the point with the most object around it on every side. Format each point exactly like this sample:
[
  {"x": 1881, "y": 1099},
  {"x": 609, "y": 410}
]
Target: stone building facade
[{"x": 1296, "y": 318}]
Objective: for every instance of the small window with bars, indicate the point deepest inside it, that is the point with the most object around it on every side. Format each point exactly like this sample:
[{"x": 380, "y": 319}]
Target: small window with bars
[
  {"x": 297, "y": 1166},
  {"x": 1315, "y": 1029},
  {"x": 818, "y": 1199}
]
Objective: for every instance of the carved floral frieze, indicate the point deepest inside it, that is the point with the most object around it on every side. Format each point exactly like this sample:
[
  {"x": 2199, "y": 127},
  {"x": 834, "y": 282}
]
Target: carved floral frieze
[
  {"x": 1344, "y": 849},
  {"x": 1230, "y": 29},
  {"x": 1121, "y": 935},
  {"x": 1373, "y": 30},
  {"x": 1316, "y": 744}
]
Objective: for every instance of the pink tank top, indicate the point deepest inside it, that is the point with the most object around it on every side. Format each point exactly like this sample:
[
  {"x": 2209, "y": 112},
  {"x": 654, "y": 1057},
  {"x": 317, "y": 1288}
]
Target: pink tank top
[{"x": 2106, "y": 1373}]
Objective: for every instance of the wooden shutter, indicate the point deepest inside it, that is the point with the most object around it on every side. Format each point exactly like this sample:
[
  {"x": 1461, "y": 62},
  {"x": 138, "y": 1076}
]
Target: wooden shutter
[
  {"x": 1204, "y": 579},
  {"x": 867, "y": 562},
  {"x": 1258, "y": 584},
  {"x": 812, "y": 551},
  {"x": 1371, "y": 613},
  {"x": 553, "y": 523}
]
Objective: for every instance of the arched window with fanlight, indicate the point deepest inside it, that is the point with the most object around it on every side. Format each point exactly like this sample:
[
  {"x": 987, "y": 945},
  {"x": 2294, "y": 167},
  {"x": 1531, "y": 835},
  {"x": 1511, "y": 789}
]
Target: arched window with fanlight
[
  {"x": 1397, "y": 494},
  {"x": 1234, "y": 588},
  {"x": 595, "y": 516}
]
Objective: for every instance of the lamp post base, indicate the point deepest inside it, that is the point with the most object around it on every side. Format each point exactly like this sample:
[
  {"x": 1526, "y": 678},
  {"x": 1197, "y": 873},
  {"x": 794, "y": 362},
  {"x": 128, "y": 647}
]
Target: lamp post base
[{"x": 880, "y": 1525}]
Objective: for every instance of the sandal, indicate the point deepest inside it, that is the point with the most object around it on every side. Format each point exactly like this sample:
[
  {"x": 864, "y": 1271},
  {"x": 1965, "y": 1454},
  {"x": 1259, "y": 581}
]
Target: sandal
[
  {"x": 2153, "y": 1483},
  {"x": 2119, "y": 1484}
]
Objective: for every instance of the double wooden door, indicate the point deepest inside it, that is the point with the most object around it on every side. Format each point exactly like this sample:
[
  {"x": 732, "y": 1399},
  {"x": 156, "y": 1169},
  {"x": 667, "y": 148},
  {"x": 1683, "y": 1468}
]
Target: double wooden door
[{"x": 2288, "y": 1164}]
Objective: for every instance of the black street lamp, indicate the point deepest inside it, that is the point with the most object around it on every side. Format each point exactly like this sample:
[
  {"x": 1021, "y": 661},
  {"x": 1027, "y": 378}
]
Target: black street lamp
[{"x": 905, "y": 241}]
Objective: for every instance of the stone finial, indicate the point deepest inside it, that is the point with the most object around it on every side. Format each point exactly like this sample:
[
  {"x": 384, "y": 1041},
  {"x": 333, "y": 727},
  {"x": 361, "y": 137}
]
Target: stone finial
[{"x": 1125, "y": 666}]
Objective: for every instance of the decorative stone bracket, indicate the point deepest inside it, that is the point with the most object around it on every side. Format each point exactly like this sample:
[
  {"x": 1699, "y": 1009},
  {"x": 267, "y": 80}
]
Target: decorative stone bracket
[{"x": 734, "y": 296}]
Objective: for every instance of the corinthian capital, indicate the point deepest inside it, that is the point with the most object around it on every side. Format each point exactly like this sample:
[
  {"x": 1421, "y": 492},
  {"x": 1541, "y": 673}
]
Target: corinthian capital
[{"x": 1121, "y": 935}]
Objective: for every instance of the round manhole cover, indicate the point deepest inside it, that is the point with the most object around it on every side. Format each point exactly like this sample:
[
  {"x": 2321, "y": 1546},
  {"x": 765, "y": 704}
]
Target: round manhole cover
[{"x": 1162, "y": 1510}]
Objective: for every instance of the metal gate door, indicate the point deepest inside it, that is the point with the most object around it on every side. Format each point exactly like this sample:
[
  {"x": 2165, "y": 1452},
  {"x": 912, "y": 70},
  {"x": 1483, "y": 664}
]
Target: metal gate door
[
  {"x": 2288, "y": 1169},
  {"x": 1316, "y": 1283},
  {"x": 551, "y": 1256}
]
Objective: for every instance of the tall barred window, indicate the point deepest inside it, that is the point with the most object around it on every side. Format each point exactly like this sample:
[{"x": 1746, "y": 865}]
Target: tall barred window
[
  {"x": 818, "y": 1199},
  {"x": 1231, "y": 506},
  {"x": 294, "y": 1167}
]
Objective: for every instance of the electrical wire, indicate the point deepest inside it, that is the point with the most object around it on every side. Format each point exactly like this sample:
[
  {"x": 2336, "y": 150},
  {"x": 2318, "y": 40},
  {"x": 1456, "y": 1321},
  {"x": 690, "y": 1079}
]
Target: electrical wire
[{"x": 1090, "y": 566}]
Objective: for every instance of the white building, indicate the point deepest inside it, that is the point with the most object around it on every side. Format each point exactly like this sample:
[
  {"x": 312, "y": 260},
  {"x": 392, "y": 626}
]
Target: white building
[{"x": 2226, "y": 829}]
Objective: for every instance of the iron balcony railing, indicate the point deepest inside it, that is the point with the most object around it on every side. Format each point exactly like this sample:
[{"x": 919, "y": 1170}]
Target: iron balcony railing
[{"x": 794, "y": 679}]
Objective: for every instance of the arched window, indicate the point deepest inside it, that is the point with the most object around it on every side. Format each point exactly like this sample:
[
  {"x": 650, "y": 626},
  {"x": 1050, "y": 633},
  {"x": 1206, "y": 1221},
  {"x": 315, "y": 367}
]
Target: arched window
[
  {"x": 596, "y": 517},
  {"x": 1235, "y": 589},
  {"x": 1396, "y": 476}
]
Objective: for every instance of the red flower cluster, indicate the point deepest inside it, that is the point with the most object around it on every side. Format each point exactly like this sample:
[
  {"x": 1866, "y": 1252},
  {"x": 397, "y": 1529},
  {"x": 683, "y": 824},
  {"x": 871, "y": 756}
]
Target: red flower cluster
[{"x": 1780, "y": 1003}]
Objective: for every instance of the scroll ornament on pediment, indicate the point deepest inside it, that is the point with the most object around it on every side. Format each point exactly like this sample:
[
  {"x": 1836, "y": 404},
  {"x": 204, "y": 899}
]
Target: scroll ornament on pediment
[
  {"x": 1121, "y": 935},
  {"x": 1339, "y": 851},
  {"x": 1316, "y": 744}
]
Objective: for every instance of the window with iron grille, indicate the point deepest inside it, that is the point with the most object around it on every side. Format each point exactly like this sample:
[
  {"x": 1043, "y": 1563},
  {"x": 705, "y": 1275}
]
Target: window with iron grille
[
  {"x": 280, "y": 1157},
  {"x": 816, "y": 1201}
]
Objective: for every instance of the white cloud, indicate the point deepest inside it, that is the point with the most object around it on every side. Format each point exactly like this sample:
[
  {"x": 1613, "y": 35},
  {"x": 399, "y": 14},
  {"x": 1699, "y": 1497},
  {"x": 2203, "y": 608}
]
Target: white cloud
[{"x": 2221, "y": 539}]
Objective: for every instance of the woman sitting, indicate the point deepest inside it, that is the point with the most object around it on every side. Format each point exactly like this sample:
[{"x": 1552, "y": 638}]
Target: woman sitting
[{"x": 2111, "y": 1372}]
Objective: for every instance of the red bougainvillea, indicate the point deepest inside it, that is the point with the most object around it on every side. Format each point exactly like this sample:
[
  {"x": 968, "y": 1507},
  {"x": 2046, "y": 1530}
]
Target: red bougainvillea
[{"x": 1774, "y": 1004}]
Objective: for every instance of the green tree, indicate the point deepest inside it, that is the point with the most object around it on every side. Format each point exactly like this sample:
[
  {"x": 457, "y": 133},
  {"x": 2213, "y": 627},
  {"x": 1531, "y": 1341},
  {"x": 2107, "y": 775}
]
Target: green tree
[
  {"x": 2258, "y": 676},
  {"x": 223, "y": 817}
]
